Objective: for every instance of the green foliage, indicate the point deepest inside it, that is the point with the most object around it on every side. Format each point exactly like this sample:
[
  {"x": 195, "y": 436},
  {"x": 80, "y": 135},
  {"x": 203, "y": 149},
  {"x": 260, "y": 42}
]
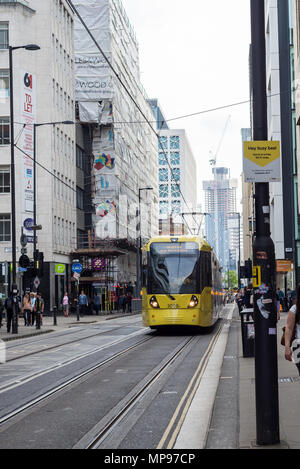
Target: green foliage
[{"x": 233, "y": 279}]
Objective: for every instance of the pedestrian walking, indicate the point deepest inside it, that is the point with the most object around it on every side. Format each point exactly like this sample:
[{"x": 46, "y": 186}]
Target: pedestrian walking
[
  {"x": 26, "y": 309},
  {"x": 292, "y": 330},
  {"x": 66, "y": 303},
  {"x": 8, "y": 305}
]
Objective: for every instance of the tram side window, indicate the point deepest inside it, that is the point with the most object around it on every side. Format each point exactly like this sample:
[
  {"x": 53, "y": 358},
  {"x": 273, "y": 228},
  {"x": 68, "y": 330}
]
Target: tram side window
[
  {"x": 205, "y": 270},
  {"x": 144, "y": 269}
]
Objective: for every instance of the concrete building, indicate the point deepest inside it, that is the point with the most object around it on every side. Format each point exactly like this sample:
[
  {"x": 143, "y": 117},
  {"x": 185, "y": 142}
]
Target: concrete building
[
  {"x": 220, "y": 205},
  {"x": 117, "y": 144},
  {"x": 43, "y": 93},
  {"x": 281, "y": 126},
  {"x": 248, "y": 207}
]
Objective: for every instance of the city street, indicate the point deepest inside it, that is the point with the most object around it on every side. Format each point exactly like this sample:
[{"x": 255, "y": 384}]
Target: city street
[{"x": 63, "y": 389}]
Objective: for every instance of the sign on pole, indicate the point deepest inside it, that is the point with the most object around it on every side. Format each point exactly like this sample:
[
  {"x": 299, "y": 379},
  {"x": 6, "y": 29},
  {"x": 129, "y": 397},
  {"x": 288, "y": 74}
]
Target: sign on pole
[{"x": 261, "y": 162}]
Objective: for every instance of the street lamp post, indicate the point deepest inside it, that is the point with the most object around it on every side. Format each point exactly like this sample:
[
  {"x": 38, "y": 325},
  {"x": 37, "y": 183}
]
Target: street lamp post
[
  {"x": 31, "y": 47},
  {"x": 265, "y": 314},
  {"x": 139, "y": 247}
]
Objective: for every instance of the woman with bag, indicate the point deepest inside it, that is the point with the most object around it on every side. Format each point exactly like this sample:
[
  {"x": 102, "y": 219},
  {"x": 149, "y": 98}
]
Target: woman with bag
[
  {"x": 292, "y": 329},
  {"x": 66, "y": 303}
]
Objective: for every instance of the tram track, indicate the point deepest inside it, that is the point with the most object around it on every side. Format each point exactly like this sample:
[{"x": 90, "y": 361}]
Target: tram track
[
  {"x": 96, "y": 437},
  {"x": 53, "y": 347},
  {"x": 55, "y": 390}
]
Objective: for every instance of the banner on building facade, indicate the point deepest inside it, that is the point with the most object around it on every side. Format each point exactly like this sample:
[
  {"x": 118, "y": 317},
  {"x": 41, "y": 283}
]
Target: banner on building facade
[
  {"x": 261, "y": 162},
  {"x": 27, "y": 118}
]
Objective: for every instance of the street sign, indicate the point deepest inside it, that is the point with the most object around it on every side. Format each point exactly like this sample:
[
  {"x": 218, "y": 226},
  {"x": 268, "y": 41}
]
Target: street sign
[
  {"x": 36, "y": 282},
  {"x": 262, "y": 161},
  {"x": 60, "y": 269},
  {"x": 23, "y": 240},
  {"x": 28, "y": 224},
  {"x": 256, "y": 276},
  {"x": 77, "y": 268},
  {"x": 22, "y": 269},
  {"x": 76, "y": 275}
]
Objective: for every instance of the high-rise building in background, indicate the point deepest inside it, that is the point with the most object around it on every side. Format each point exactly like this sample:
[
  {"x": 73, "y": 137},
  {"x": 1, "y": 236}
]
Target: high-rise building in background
[
  {"x": 222, "y": 226},
  {"x": 43, "y": 93},
  {"x": 118, "y": 147}
]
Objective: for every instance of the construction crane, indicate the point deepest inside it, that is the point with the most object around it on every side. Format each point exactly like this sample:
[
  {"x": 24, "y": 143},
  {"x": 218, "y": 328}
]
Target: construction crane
[{"x": 213, "y": 159}]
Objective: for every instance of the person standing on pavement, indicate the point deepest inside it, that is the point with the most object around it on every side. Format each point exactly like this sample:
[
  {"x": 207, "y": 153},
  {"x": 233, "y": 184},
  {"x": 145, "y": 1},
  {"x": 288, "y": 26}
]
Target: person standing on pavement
[
  {"x": 8, "y": 305},
  {"x": 27, "y": 309},
  {"x": 1, "y": 311},
  {"x": 33, "y": 300},
  {"x": 292, "y": 322},
  {"x": 97, "y": 303},
  {"x": 65, "y": 303},
  {"x": 83, "y": 303},
  {"x": 39, "y": 308}
]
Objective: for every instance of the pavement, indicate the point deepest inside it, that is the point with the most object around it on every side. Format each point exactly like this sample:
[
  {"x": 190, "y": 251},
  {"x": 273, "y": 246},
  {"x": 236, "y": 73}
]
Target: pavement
[{"x": 227, "y": 392}]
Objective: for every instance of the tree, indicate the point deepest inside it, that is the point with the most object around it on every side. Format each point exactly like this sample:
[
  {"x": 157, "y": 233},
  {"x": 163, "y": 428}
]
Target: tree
[{"x": 233, "y": 279}]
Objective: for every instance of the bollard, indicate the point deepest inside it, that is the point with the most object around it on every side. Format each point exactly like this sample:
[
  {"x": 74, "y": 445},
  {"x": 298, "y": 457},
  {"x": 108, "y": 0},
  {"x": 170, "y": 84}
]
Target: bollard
[
  {"x": 54, "y": 316},
  {"x": 77, "y": 311}
]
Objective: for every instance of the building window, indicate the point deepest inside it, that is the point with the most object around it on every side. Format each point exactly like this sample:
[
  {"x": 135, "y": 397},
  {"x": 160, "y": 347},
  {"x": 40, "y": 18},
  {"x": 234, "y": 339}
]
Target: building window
[
  {"x": 79, "y": 198},
  {"x": 175, "y": 192},
  {"x": 174, "y": 143},
  {"x": 176, "y": 174},
  {"x": 4, "y": 42},
  {"x": 163, "y": 143},
  {"x": 163, "y": 190},
  {"x": 4, "y": 131},
  {"x": 4, "y": 227},
  {"x": 163, "y": 207},
  {"x": 162, "y": 159},
  {"x": 176, "y": 206},
  {"x": 175, "y": 158},
  {"x": 163, "y": 175},
  {"x": 4, "y": 85},
  {"x": 4, "y": 181},
  {"x": 79, "y": 158}
]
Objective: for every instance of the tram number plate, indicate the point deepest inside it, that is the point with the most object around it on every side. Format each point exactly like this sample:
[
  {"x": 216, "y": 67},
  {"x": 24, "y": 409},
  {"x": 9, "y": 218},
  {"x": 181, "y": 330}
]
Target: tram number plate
[{"x": 172, "y": 306}]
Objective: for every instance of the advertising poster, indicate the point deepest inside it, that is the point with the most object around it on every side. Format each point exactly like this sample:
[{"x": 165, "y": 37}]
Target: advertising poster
[{"x": 27, "y": 117}]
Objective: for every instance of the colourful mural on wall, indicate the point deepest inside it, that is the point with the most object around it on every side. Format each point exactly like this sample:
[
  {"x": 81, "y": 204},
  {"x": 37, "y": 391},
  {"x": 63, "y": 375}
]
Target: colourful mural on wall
[
  {"x": 105, "y": 208},
  {"x": 103, "y": 161}
]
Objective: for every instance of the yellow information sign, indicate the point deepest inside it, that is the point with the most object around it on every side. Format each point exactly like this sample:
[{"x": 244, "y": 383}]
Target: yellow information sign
[
  {"x": 256, "y": 276},
  {"x": 262, "y": 161}
]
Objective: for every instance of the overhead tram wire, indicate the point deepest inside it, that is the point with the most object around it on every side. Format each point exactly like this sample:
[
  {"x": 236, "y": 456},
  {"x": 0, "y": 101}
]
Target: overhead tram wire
[{"x": 127, "y": 91}]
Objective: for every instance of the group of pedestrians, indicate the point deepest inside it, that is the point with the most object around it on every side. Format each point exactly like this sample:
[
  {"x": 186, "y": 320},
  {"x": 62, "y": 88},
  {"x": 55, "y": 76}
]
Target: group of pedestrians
[{"x": 31, "y": 307}]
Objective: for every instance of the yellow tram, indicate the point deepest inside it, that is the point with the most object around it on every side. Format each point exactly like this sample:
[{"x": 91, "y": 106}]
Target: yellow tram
[{"x": 182, "y": 282}]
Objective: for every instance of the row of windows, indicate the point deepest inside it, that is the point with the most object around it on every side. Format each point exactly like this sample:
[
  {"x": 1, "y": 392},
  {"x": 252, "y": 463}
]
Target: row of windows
[
  {"x": 4, "y": 227},
  {"x": 4, "y": 36},
  {"x": 174, "y": 158},
  {"x": 164, "y": 190},
  {"x": 62, "y": 144},
  {"x": 64, "y": 188},
  {"x": 62, "y": 101},
  {"x": 164, "y": 174},
  {"x": 175, "y": 207},
  {"x": 165, "y": 142},
  {"x": 4, "y": 86},
  {"x": 4, "y": 181},
  {"x": 63, "y": 232}
]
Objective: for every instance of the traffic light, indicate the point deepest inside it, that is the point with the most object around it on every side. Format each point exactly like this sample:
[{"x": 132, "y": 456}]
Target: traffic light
[
  {"x": 248, "y": 267},
  {"x": 242, "y": 271},
  {"x": 39, "y": 263}
]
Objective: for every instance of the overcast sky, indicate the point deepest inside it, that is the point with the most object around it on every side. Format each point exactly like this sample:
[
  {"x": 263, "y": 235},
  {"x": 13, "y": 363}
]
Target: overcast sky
[{"x": 194, "y": 57}]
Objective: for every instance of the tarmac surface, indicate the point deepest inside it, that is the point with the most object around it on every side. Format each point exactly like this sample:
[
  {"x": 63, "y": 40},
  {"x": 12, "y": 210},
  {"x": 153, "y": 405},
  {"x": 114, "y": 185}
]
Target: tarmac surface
[{"x": 232, "y": 419}]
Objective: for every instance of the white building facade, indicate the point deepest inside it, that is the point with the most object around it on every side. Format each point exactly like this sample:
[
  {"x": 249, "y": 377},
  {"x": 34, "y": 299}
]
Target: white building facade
[
  {"x": 123, "y": 146},
  {"x": 43, "y": 93},
  {"x": 177, "y": 178}
]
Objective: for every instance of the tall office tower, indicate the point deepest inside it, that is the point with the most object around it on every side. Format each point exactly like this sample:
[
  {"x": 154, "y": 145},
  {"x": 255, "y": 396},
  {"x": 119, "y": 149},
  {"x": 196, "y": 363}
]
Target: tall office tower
[
  {"x": 220, "y": 206},
  {"x": 43, "y": 93},
  {"x": 116, "y": 143}
]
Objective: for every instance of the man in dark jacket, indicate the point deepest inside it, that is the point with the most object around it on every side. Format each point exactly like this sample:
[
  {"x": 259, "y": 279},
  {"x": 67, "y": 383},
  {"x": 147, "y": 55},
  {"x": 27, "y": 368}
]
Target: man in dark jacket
[{"x": 8, "y": 305}]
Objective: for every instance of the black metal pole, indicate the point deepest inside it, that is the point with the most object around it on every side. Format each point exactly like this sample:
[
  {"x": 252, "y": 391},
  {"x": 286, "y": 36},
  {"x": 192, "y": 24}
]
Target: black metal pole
[
  {"x": 34, "y": 192},
  {"x": 13, "y": 194},
  {"x": 265, "y": 307}
]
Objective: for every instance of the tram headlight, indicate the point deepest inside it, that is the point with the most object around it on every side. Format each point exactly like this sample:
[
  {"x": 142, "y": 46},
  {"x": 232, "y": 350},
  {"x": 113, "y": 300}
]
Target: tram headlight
[
  {"x": 154, "y": 302},
  {"x": 193, "y": 302}
]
